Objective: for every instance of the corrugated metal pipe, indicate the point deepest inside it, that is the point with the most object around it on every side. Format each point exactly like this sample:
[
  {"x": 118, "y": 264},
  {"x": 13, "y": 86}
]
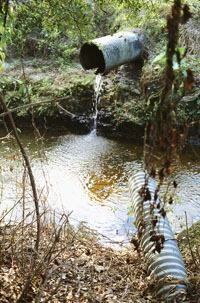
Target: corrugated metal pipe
[
  {"x": 109, "y": 52},
  {"x": 157, "y": 241}
]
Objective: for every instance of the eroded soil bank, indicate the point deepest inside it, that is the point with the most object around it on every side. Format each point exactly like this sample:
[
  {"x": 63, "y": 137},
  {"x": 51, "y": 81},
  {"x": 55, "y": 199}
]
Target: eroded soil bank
[{"x": 122, "y": 111}]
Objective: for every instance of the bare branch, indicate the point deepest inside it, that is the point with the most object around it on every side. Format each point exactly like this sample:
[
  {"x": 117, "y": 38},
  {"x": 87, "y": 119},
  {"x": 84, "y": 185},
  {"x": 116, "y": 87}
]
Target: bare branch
[
  {"x": 189, "y": 243},
  {"x": 32, "y": 105},
  {"x": 65, "y": 111},
  {"x": 27, "y": 162}
]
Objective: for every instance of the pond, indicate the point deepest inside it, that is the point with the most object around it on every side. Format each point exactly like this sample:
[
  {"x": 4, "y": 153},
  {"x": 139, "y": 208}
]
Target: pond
[{"x": 87, "y": 176}]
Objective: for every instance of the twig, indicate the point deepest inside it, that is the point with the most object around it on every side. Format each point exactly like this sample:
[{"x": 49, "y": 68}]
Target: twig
[
  {"x": 65, "y": 111},
  {"x": 189, "y": 243},
  {"x": 27, "y": 162},
  {"x": 54, "y": 290},
  {"x": 37, "y": 132},
  {"x": 1, "y": 219},
  {"x": 31, "y": 105},
  {"x": 197, "y": 246}
]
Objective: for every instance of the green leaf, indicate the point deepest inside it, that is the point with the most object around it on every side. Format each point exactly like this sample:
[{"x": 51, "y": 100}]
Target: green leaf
[
  {"x": 3, "y": 56},
  {"x": 181, "y": 50},
  {"x": 3, "y": 40},
  {"x": 161, "y": 58}
]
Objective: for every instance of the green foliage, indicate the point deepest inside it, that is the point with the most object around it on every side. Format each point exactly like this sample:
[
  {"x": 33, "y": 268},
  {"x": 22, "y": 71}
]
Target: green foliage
[
  {"x": 19, "y": 92},
  {"x": 159, "y": 62},
  {"x": 5, "y": 29},
  {"x": 190, "y": 110},
  {"x": 149, "y": 15},
  {"x": 55, "y": 28},
  {"x": 73, "y": 17},
  {"x": 195, "y": 8},
  {"x": 34, "y": 36}
]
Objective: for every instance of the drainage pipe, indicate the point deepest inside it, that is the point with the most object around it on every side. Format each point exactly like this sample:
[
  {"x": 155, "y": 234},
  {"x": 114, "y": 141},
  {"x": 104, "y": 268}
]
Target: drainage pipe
[
  {"x": 165, "y": 263},
  {"x": 109, "y": 52}
]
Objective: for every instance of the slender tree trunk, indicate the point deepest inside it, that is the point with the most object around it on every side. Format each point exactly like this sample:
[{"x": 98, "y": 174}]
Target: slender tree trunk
[{"x": 28, "y": 165}]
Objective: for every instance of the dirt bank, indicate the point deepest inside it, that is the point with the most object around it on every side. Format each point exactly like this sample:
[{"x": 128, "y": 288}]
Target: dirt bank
[{"x": 122, "y": 112}]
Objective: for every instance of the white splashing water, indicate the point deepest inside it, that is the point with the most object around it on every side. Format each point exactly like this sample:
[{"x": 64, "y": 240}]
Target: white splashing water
[{"x": 97, "y": 97}]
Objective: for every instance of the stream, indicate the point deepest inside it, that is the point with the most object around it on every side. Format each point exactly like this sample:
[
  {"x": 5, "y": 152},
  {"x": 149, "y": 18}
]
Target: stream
[{"x": 87, "y": 176}]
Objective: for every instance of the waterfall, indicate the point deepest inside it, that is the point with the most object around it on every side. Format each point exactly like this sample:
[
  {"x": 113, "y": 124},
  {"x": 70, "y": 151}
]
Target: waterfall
[{"x": 97, "y": 96}]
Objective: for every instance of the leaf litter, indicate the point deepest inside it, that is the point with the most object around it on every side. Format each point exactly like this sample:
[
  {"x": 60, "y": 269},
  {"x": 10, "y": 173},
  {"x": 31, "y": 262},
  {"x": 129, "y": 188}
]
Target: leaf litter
[{"x": 72, "y": 266}]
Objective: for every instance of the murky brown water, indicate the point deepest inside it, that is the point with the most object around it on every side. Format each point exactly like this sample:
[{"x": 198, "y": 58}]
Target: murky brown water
[{"x": 87, "y": 175}]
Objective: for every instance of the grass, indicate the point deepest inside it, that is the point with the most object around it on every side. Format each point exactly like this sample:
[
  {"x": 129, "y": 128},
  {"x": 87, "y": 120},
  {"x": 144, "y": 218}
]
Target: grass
[{"x": 189, "y": 244}]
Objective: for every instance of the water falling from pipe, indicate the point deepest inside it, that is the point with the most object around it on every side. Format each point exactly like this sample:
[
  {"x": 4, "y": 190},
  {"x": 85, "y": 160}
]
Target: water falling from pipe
[{"x": 97, "y": 97}]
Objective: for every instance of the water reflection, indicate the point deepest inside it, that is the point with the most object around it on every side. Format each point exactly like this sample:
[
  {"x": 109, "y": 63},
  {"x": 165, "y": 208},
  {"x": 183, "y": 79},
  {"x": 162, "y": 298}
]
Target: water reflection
[
  {"x": 91, "y": 180},
  {"x": 88, "y": 175},
  {"x": 187, "y": 175}
]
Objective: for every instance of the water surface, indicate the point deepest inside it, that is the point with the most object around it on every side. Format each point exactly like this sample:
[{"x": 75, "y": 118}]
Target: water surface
[{"x": 87, "y": 176}]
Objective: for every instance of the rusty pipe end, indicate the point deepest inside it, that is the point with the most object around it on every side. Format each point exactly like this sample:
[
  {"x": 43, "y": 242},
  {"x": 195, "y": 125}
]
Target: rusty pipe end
[{"x": 92, "y": 57}]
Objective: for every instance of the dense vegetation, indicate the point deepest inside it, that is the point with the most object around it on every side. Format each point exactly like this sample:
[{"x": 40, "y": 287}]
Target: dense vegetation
[
  {"x": 41, "y": 40},
  {"x": 52, "y": 31}
]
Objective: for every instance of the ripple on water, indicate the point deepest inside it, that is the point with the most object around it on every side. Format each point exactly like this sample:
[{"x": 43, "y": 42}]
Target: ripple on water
[{"x": 88, "y": 175}]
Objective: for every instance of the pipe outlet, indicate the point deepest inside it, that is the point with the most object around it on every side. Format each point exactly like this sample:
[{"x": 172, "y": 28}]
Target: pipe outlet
[
  {"x": 111, "y": 51},
  {"x": 158, "y": 243}
]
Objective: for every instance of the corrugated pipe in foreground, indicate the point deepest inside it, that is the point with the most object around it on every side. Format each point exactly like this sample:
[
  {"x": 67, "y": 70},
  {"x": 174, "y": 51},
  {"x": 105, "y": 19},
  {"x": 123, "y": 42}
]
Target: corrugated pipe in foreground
[{"x": 158, "y": 244}]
